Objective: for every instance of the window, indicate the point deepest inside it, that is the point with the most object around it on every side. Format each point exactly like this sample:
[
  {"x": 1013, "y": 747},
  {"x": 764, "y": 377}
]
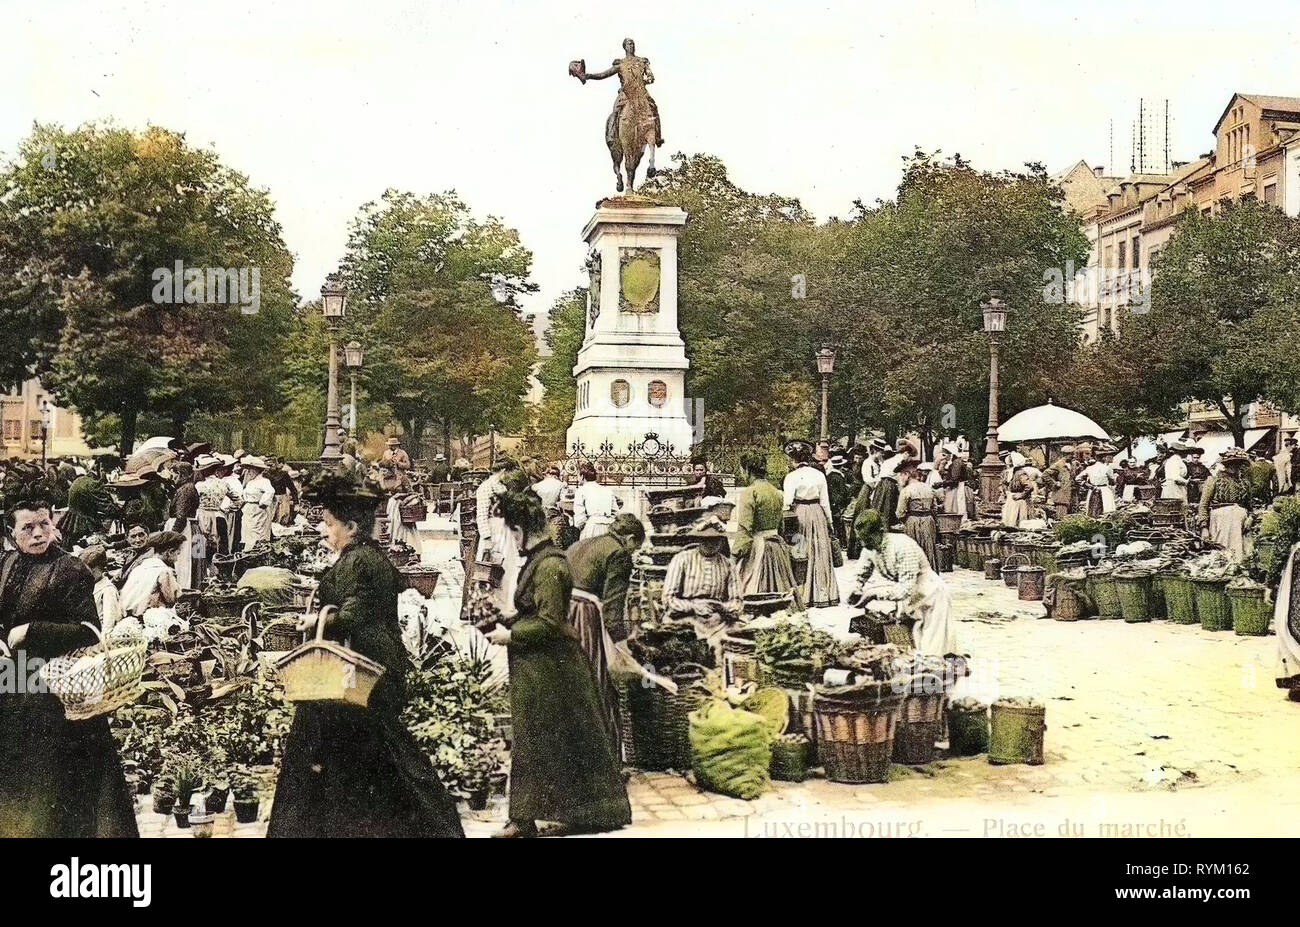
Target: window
[
  {"x": 657, "y": 393},
  {"x": 620, "y": 393},
  {"x": 1123, "y": 251},
  {"x": 1270, "y": 193},
  {"x": 13, "y": 429},
  {"x": 1137, "y": 250}
]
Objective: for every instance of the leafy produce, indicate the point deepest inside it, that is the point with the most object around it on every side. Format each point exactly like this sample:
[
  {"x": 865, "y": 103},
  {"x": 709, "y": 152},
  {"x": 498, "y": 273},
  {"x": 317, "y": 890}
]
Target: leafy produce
[{"x": 797, "y": 642}]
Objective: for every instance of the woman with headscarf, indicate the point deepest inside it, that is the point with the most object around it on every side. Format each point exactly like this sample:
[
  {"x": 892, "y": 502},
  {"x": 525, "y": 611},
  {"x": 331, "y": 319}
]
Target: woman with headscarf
[
  {"x": 805, "y": 494},
  {"x": 352, "y": 771},
  {"x": 563, "y": 765}
]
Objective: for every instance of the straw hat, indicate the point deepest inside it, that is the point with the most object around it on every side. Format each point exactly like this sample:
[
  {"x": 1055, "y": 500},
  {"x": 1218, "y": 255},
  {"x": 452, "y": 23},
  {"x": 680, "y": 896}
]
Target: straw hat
[
  {"x": 393, "y": 442},
  {"x": 253, "y": 463}
]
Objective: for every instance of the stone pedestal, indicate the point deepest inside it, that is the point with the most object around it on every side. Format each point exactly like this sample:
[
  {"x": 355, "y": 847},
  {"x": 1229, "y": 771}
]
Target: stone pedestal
[{"x": 631, "y": 369}]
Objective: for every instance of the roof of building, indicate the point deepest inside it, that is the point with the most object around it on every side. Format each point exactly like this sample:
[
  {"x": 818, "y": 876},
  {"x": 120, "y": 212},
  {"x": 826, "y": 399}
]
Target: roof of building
[{"x": 1263, "y": 101}]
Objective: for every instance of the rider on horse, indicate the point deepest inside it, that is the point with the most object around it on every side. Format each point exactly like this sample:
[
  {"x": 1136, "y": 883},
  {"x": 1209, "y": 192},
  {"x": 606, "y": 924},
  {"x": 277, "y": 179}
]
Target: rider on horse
[{"x": 634, "y": 74}]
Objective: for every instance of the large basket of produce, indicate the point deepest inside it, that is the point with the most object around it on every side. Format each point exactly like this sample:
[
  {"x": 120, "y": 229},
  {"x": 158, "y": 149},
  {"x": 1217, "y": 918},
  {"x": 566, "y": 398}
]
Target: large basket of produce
[
  {"x": 423, "y": 579},
  {"x": 919, "y": 721},
  {"x": 791, "y": 754},
  {"x": 400, "y": 555},
  {"x": 968, "y": 727},
  {"x": 1066, "y": 595},
  {"x": 792, "y": 654},
  {"x": 225, "y": 602},
  {"x": 1212, "y": 604},
  {"x": 1251, "y": 612},
  {"x": 1102, "y": 591},
  {"x": 985, "y": 549},
  {"x": 1016, "y": 732},
  {"x": 1133, "y": 586},
  {"x": 1180, "y": 597},
  {"x": 656, "y": 722},
  {"x": 855, "y": 730}
]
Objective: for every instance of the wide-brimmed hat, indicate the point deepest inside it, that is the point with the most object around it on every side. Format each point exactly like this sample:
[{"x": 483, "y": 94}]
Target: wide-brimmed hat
[
  {"x": 255, "y": 463},
  {"x": 393, "y": 441},
  {"x": 708, "y": 528},
  {"x": 878, "y": 445},
  {"x": 797, "y": 444},
  {"x": 207, "y": 462},
  {"x": 126, "y": 481},
  {"x": 1234, "y": 455}
]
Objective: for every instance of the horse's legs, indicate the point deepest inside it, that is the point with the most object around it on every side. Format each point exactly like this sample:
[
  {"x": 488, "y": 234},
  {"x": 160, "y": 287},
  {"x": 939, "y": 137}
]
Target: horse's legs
[
  {"x": 650, "y": 168},
  {"x": 631, "y": 158}
]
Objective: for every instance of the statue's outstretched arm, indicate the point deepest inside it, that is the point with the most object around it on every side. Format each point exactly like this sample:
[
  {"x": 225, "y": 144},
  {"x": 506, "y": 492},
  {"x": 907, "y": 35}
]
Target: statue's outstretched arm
[{"x": 601, "y": 75}]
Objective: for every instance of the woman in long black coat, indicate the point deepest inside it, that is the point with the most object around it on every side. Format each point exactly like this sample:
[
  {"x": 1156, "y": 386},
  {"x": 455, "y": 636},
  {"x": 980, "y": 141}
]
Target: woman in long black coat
[
  {"x": 562, "y": 762},
  {"x": 350, "y": 771},
  {"x": 58, "y": 778}
]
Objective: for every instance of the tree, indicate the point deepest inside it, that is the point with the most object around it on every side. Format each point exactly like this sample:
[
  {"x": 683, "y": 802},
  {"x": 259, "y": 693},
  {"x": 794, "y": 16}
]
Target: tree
[
  {"x": 434, "y": 299},
  {"x": 89, "y": 219},
  {"x": 1225, "y": 313}
]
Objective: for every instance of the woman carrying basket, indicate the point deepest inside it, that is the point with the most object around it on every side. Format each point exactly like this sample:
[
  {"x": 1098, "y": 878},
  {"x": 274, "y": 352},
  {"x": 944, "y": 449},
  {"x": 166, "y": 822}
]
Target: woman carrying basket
[
  {"x": 58, "y": 778},
  {"x": 351, "y": 771}
]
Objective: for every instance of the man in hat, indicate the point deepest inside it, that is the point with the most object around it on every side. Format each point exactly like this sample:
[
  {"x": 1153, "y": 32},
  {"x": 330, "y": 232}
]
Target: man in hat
[
  {"x": 153, "y": 582},
  {"x": 1059, "y": 480},
  {"x": 702, "y": 583},
  {"x": 58, "y": 778},
  {"x": 395, "y": 465},
  {"x": 1226, "y": 503},
  {"x": 258, "y": 498}
]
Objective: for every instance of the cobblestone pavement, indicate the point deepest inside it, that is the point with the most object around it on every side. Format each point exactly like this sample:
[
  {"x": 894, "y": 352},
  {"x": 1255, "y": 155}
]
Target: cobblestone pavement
[{"x": 1152, "y": 730}]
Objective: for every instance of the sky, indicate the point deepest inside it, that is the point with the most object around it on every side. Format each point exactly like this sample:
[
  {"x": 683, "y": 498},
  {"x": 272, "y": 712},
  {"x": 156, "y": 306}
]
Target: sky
[{"x": 328, "y": 103}]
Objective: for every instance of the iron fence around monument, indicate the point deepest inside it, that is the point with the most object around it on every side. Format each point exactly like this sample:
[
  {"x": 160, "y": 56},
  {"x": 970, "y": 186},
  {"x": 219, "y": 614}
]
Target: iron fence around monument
[{"x": 646, "y": 464}]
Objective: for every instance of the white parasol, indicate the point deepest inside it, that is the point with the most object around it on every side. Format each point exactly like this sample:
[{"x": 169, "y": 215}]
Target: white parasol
[{"x": 1049, "y": 423}]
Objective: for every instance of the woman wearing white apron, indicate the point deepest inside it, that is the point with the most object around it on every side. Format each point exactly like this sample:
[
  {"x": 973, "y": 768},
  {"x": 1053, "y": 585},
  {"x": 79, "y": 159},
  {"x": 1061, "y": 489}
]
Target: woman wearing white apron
[
  {"x": 259, "y": 496},
  {"x": 594, "y": 505}
]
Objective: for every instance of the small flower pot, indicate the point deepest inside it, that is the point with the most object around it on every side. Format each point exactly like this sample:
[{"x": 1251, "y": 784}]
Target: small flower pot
[
  {"x": 216, "y": 801},
  {"x": 246, "y": 810},
  {"x": 201, "y": 825},
  {"x": 163, "y": 802},
  {"x": 478, "y": 798},
  {"x": 182, "y": 815},
  {"x": 142, "y": 786}
]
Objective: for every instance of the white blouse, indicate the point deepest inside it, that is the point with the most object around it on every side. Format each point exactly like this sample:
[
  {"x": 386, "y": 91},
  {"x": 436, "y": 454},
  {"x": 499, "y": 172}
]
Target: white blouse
[{"x": 806, "y": 484}]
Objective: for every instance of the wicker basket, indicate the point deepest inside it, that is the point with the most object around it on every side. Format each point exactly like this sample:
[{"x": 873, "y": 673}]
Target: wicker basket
[
  {"x": 420, "y": 578},
  {"x": 1212, "y": 604},
  {"x": 324, "y": 671},
  {"x": 1068, "y": 599},
  {"x": 855, "y": 740},
  {"x": 1102, "y": 591},
  {"x": 948, "y": 522},
  {"x": 218, "y": 605},
  {"x": 281, "y": 634},
  {"x": 1251, "y": 613},
  {"x": 1029, "y": 583},
  {"x": 656, "y": 722},
  {"x": 304, "y": 592},
  {"x": 739, "y": 665},
  {"x": 98, "y": 679},
  {"x": 412, "y": 513},
  {"x": 918, "y": 728},
  {"x": 1180, "y": 598},
  {"x": 1134, "y": 592},
  {"x": 790, "y": 758},
  {"x": 1011, "y": 569}
]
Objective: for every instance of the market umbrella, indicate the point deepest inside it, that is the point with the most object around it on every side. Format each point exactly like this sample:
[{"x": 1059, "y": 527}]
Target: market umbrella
[
  {"x": 1049, "y": 423},
  {"x": 147, "y": 459}
]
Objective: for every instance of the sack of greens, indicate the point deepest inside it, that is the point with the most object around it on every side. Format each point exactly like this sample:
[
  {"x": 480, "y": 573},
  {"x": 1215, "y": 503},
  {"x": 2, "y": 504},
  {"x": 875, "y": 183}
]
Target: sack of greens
[{"x": 731, "y": 750}]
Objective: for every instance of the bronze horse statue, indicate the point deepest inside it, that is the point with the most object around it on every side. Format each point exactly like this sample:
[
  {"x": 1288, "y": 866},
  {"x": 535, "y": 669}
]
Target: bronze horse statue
[{"x": 633, "y": 128}]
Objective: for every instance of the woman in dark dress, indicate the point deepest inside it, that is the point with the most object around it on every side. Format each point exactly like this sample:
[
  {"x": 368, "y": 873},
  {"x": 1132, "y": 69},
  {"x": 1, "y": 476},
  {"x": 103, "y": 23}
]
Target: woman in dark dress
[
  {"x": 562, "y": 763},
  {"x": 350, "y": 771},
  {"x": 58, "y": 778}
]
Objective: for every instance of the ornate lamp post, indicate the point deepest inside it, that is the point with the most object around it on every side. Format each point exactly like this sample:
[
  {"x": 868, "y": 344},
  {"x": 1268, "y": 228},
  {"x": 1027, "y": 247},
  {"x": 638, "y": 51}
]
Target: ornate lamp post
[
  {"x": 826, "y": 367},
  {"x": 47, "y": 412},
  {"x": 334, "y": 302},
  {"x": 353, "y": 356},
  {"x": 995, "y": 323}
]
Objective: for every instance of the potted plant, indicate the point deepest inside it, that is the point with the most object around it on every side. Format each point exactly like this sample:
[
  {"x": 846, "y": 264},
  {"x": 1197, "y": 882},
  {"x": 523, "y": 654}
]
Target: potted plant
[
  {"x": 164, "y": 796},
  {"x": 200, "y": 824},
  {"x": 245, "y": 787},
  {"x": 185, "y": 777},
  {"x": 218, "y": 793}
]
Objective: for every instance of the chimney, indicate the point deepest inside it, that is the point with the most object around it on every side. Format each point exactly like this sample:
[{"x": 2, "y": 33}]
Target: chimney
[
  {"x": 1113, "y": 198},
  {"x": 1099, "y": 170}
]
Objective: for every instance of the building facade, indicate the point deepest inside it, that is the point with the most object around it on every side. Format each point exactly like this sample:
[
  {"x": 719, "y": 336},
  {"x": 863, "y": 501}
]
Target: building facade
[{"x": 26, "y": 412}]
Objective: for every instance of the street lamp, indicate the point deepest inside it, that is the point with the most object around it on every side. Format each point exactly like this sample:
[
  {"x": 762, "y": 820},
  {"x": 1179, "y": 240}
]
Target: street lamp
[
  {"x": 333, "y": 302},
  {"x": 46, "y": 412},
  {"x": 826, "y": 366},
  {"x": 995, "y": 323},
  {"x": 353, "y": 356}
]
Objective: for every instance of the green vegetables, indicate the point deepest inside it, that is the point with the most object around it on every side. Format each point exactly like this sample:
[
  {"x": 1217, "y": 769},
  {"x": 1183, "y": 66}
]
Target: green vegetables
[
  {"x": 796, "y": 642},
  {"x": 1279, "y": 531}
]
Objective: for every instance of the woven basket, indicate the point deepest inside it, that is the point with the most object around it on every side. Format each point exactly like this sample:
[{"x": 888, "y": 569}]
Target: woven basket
[
  {"x": 855, "y": 742},
  {"x": 968, "y": 731},
  {"x": 1011, "y": 569},
  {"x": 1180, "y": 598},
  {"x": 420, "y": 578},
  {"x": 98, "y": 679},
  {"x": 656, "y": 722},
  {"x": 412, "y": 513},
  {"x": 1102, "y": 591},
  {"x": 1251, "y": 613},
  {"x": 1069, "y": 600},
  {"x": 948, "y": 522},
  {"x": 1212, "y": 604},
  {"x": 918, "y": 729},
  {"x": 281, "y": 634},
  {"x": 1134, "y": 592},
  {"x": 790, "y": 757},
  {"x": 739, "y": 665},
  {"x": 226, "y": 605}
]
